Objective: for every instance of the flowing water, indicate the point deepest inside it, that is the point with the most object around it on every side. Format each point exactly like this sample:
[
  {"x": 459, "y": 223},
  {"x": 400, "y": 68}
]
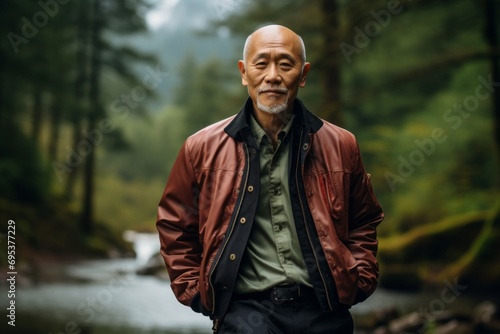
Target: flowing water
[{"x": 106, "y": 296}]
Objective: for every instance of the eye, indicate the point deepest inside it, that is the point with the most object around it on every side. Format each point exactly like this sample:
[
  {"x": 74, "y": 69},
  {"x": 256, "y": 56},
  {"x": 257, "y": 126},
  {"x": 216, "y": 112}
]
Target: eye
[
  {"x": 286, "y": 65},
  {"x": 261, "y": 64}
]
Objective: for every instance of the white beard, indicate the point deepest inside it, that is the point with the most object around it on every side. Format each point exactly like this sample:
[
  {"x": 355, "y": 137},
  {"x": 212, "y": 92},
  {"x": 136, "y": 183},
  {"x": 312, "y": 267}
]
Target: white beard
[{"x": 272, "y": 109}]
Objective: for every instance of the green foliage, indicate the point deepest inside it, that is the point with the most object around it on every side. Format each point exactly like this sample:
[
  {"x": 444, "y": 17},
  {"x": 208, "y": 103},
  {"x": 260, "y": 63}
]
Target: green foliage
[
  {"x": 402, "y": 90},
  {"x": 50, "y": 53},
  {"x": 396, "y": 92},
  {"x": 208, "y": 92}
]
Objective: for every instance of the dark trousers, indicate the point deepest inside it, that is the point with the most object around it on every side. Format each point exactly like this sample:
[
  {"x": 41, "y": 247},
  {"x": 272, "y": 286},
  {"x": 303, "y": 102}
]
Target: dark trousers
[{"x": 262, "y": 313}]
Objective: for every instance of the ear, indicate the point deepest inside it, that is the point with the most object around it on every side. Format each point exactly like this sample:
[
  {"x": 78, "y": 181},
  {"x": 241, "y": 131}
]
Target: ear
[
  {"x": 243, "y": 72},
  {"x": 307, "y": 67}
]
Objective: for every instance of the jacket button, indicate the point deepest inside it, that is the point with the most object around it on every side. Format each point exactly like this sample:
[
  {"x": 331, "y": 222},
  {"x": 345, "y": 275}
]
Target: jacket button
[
  {"x": 243, "y": 220},
  {"x": 305, "y": 147},
  {"x": 232, "y": 257},
  {"x": 250, "y": 189}
]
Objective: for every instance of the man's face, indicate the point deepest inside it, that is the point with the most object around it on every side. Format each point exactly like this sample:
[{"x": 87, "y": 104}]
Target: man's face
[{"x": 273, "y": 70}]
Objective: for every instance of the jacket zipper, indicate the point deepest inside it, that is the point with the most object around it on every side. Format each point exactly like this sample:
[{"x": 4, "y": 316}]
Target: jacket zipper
[
  {"x": 299, "y": 165},
  {"x": 233, "y": 223}
]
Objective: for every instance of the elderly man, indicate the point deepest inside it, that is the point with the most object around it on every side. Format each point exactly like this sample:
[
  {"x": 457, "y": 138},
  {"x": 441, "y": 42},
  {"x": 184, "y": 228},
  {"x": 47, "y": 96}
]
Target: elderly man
[{"x": 268, "y": 220}]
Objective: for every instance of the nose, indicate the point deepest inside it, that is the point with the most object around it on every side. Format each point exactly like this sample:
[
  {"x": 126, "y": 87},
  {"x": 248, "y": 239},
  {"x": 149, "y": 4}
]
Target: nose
[{"x": 273, "y": 76}]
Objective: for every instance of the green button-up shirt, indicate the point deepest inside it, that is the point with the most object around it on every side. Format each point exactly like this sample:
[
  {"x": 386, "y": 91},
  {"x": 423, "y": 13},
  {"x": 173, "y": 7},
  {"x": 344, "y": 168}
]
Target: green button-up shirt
[{"x": 273, "y": 255}]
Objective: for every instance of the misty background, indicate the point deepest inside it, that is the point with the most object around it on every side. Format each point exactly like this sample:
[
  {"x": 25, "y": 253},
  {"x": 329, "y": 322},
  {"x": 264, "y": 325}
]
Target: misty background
[{"x": 96, "y": 98}]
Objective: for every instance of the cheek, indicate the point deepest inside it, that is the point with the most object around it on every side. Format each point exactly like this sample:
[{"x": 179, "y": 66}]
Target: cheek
[
  {"x": 255, "y": 78},
  {"x": 292, "y": 85}
]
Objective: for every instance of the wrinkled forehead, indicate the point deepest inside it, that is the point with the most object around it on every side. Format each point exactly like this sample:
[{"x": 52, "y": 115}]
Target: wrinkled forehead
[{"x": 274, "y": 39}]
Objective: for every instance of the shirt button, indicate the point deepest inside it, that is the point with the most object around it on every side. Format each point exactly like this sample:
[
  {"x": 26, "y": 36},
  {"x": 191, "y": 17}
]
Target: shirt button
[
  {"x": 243, "y": 220},
  {"x": 232, "y": 257},
  {"x": 250, "y": 189}
]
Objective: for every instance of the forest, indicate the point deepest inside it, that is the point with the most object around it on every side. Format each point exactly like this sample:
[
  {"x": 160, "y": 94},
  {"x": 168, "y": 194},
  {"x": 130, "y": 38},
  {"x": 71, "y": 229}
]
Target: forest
[{"x": 92, "y": 116}]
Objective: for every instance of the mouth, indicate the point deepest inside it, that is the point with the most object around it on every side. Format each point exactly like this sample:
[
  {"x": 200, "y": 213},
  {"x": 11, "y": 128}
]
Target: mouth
[{"x": 274, "y": 91}]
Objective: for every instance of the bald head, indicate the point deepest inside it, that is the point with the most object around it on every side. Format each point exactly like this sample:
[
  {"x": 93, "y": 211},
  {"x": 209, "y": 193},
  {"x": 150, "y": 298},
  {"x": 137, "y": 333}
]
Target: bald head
[
  {"x": 275, "y": 31},
  {"x": 273, "y": 69}
]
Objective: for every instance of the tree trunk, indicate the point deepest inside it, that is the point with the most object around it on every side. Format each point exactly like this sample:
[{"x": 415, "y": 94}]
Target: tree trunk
[
  {"x": 37, "y": 116},
  {"x": 56, "y": 115},
  {"x": 92, "y": 118},
  {"x": 81, "y": 78},
  {"x": 491, "y": 34},
  {"x": 3, "y": 70},
  {"x": 69, "y": 189},
  {"x": 331, "y": 62}
]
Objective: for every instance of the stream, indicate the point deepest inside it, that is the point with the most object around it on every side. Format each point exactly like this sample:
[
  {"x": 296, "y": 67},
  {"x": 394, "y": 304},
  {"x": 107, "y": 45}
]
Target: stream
[{"x": 106, "y": 296}]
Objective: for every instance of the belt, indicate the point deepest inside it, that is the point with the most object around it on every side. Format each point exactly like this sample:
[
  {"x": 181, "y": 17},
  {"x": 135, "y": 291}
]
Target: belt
[{"x": 282, "y": 294}]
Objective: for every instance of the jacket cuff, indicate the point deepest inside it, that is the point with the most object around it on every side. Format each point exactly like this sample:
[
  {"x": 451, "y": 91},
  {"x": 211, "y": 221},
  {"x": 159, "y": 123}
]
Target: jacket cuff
[{"x": 197, "y": 305}]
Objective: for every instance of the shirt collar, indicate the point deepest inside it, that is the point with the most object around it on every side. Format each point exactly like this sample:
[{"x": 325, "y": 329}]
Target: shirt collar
[
  {"x": 239, "y": 128},
  {"x": 260, "y": 134}
]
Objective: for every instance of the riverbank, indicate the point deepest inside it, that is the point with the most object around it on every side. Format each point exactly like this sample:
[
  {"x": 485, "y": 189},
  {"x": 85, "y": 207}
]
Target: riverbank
[
  {"x": 435, "y": 319},
  {"x": 49, "y": 233},
  {"x": 50, "y": 249},
  {"x": 114, "y": 299}
]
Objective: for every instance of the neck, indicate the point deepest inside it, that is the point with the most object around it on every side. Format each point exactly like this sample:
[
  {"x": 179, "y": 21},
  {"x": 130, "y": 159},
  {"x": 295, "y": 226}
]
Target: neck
[{"x": 272, "y": 124}]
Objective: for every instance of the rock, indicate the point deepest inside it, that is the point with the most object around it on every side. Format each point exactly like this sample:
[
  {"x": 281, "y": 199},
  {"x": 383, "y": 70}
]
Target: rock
[
  {"x": 419, "y": 322},
  {"x": 487, "y": 318},
  {"x": 455, "y": 327},
  {"x": 443, "y": 317},
  {"x": 384, "y": 316},
  {"x": 154, "y": 265},
  {"x": 378, "y": 318},
  {"x": 381, "y": 330},
  {"x": 485, "y": 312},
  {"x": 414, "y": 322}
]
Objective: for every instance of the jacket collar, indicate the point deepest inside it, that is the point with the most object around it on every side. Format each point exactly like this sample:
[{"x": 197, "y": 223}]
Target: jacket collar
[{"x": 240, "y": 125}]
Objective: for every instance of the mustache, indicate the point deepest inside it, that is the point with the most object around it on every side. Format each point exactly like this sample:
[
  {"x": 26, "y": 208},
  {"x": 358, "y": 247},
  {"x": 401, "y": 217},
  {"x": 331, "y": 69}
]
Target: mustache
[{"x": 273, "y": 88}]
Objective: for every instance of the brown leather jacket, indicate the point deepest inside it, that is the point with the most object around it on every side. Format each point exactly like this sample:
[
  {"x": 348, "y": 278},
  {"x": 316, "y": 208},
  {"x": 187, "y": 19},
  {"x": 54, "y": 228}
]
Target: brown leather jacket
[{"x": 206, "y": 212}]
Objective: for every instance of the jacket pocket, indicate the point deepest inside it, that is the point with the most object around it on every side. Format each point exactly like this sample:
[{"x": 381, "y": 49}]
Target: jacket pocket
[
  {"x": 333, "y": 189},
  {"x": 346, "y": 275}
]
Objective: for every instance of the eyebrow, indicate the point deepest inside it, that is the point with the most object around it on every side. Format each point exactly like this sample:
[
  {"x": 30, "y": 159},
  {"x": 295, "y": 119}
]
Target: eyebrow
[{"x": 266, "y": 55}]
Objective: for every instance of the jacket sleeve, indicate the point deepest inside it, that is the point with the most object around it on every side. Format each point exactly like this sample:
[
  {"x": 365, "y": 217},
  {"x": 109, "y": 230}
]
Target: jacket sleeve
[
  {"x": 177, "y": 224},
  {"x": 365, "y": 214}
]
